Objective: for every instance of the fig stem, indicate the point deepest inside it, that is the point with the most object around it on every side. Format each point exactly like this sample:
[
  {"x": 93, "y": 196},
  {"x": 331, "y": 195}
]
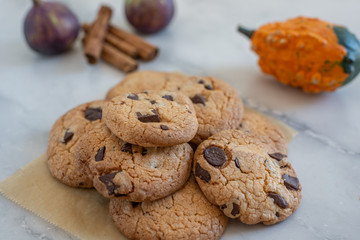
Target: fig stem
[
  {"x": 37, "y": 2},
  {"x": 247, "y": 32}
]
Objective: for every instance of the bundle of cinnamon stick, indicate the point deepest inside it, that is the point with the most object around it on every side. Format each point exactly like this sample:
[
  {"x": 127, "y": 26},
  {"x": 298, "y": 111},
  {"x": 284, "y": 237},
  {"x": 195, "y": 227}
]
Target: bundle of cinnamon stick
[{"x": 115, "y": 46}]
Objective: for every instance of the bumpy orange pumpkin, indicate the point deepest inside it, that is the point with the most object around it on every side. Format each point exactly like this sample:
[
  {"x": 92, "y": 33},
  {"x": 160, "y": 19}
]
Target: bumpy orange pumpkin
[{"x": 307, "y": 52}]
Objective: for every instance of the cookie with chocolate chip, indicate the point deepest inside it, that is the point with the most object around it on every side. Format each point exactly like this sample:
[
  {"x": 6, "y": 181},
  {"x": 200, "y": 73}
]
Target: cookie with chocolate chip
[
  {"x": 122, "y": 170},
  {"x": 217, "y": 105},
  {"x": 265, "y": 130},
  {"x": 236, "y": 171},
  {"x": 186, "y": 214},
  {"x": 152, "y": 118},
  {"x": 63, "y": 139}
]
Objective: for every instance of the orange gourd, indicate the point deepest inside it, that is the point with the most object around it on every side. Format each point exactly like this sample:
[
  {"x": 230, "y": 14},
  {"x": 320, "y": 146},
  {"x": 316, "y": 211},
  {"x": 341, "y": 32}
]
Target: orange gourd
[{"x": 307, "y": 53}]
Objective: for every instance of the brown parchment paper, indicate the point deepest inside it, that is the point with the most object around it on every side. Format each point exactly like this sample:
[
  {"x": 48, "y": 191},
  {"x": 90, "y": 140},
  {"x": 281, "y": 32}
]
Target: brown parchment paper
[{"x": 81, "y": 212}]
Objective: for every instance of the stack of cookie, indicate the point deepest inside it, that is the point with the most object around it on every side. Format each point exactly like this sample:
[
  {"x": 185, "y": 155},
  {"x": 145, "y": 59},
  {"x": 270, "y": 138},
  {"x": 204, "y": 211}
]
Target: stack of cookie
[{"x": 137, "y": 148}]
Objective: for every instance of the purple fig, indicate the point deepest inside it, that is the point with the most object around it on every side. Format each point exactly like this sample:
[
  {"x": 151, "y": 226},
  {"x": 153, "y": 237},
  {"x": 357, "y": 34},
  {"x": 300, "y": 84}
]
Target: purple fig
[
  {"x": 149, "y": 16},
  {"x": 50, "y": 27}
]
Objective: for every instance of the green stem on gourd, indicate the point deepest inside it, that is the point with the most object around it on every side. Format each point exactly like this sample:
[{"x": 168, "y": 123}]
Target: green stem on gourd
[{"x": 247, "y": 32}]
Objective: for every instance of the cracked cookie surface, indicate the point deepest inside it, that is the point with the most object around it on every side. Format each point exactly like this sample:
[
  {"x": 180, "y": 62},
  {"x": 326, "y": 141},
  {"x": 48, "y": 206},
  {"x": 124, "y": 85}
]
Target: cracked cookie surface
[
  {"x": 152, "y": 118},
  {"x": 265, "y": 130},
  {"x": 236, "y": 171},
  {"x": 122, "y": 170},
  {"x": 186, "y": 214},
  {"x": 217, "y": 105},
  {"x": 63, "y": 139}
]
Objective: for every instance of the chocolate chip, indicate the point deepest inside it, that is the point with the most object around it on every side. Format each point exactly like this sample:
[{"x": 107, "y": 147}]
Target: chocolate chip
[
  {"x": 133, "y": 96},
  {"x": 168, "y": 97},
  {"x": 144, "y": 151},
  {"x": 122, "y": 103},
  {"x": 135, "y": 204},
  {"x": 107, "y": 180},
  {"x": 198, "y": 99},
  {"x": 149, "y": 117},
  {"x": 277, "y": 156},
  {"x": 215, "y": 156},
  {"x": 127, "y": 147},
  {"x": 202, "y": 173},
  {"x": 67, "y": 136},
  {"x": 93, "y": 114},
  {"x": 223, "y": 206},
  {"x": 237, "y": 163},
  {"x": 152, "y": 101},
  {"x": 163, "y": 127},
  {"x": 236, "y": 209},
  {"x": 291, "y": 183},
  {"x": 277, "y": 214},
  {"x": 100, "y": 154},
  {"x": 208, "y": 87},
  {"x": 240, "y": 125},
  {"x": 278, "y": 200},
  {"x": 146, "y": 92}
]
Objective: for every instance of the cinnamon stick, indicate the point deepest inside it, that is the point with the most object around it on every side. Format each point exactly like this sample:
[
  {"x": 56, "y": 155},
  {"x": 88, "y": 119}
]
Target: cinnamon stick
[
  {"x": 96, "y": 35},
  {"x": 116, "y": 58},
  {"x": 116, "y": 42},
  {"x": 146, "y": 50}
]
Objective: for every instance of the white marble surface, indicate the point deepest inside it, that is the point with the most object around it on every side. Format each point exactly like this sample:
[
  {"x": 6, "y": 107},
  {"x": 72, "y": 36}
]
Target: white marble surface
[{"x": 202, "y": 39}]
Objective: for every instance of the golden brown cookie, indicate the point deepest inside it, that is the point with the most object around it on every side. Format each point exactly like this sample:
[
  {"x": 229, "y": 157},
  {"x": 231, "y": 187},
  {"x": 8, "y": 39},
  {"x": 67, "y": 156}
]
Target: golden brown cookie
[
  {"x": 63, "y": 139},
  {"x": 152, "y": 118},
  {"x": 147, "y": 80},
  {"x": 186, "y": 214},
  {"x": 122, "y": 170},
  {"x": 265, "y": 130},
  {"x": 217, "y": 105},
  {"x": 235, "y": 171}
]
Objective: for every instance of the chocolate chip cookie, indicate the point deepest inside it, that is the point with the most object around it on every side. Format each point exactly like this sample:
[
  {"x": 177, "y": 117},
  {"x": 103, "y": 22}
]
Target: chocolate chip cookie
[
  {"x": 236, "y": 172},
  {"x": 266, "y": 131},
  {"x": 217, "y": 105},
  {"x": 122, "y": 170},
  {"x": 152, "y": 118},
  {"x": 63, "y": 139},
  {"x": 147, "y": 80},
  {"x": 186, "y": 214}
]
